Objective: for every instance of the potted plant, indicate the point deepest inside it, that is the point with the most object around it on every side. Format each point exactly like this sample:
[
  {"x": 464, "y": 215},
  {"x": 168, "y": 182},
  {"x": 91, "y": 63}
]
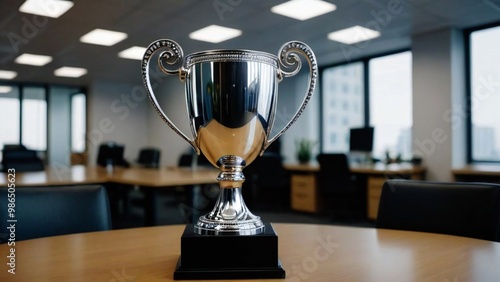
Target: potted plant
[{"x": 304, "y": 150}]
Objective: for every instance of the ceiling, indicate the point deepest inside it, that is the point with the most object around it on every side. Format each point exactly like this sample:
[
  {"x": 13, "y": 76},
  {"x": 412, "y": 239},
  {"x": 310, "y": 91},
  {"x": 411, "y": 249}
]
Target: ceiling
[{"x": 146, "y": 21}]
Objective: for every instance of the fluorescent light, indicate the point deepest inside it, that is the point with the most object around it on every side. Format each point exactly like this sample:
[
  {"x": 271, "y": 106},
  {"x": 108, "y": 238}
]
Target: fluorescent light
[
  {"x": 215, "y": 34},
  {"x": 5, "y": 89},
  {"x": 353, "y": 35},
  {"x": 46, "y": 8},
  {"x": 133, "y": 53},
  {"x": 303, "y": 9},
  {"x": 7, "y": 74},
  {"x": 103, "y": 37},
  {"x": 32, "y": 59},
  {"x": 70, "y": 72}
]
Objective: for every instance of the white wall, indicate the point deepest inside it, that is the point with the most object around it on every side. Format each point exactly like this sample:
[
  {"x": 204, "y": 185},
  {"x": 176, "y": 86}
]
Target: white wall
[
  {"x": 290, "y": 97},
  {"x": 171, "y": 95},
  {"x": 117, "y": 113},
  {"x": 438, "y": 100}
]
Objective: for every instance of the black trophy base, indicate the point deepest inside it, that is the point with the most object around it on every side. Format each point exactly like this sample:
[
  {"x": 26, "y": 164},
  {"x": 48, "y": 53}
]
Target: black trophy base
[{"x": 229, "y": 256}]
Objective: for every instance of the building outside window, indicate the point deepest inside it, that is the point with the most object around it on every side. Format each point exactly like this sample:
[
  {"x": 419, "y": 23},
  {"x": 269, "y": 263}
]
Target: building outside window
[
  {"x": 342, "y": 106},
  {"x": 390, "y": 90},
  {"x": 485, "y": 95}
]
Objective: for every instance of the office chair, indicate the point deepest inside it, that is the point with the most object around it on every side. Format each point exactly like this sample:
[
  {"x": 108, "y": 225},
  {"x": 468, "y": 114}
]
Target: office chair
[
  {"x": 9, "y": 147},
  {"x": 22, "y": 160},
  {"x": 267, "y": 183},
  {"x": 57, "y": 210},
  {"x": 338, "y": 189},
  {"x": 111, "y": 153},
  {"x": 149, "y": 157},
  {"x": 454, "y": 208}
]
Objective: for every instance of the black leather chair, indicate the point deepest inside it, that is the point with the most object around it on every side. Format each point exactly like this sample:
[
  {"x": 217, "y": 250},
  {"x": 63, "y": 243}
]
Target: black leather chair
[
  {"x": 58, "y": 210},
  {"x": 149, "y": 157},
  {"x": 22, "y": 159},
  {"x": 455, "y": 208},
  {"x": 267, "y": 184},
  {"x": 339, "y": 192}
]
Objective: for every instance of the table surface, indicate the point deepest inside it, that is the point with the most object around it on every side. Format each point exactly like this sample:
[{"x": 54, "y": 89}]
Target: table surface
[
  {"x": 78, "y": 174},
  {"x": 478, "y": 169},
  {"x": 378, "y": 168},
  {"x": 308, "y": 253}
]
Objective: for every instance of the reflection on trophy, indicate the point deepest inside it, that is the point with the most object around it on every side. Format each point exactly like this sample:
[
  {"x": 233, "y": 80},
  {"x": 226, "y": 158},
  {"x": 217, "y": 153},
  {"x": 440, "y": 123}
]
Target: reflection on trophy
[{"x": 231, "y": 98}]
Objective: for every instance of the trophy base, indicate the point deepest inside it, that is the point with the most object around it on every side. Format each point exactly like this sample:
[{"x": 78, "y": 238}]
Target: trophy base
[{"x": 206, "y": 257}]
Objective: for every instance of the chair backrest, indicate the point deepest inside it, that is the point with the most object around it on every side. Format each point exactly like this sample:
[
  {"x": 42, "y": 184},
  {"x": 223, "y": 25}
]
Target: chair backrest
[
  {"x": 57, "y": 210},
  {"x": 149, "y": 157},
  {"x": 455, "y": 208},
  {"x": 269, "y": 172},
  {"x": 334, "y": 176},
  {"x": 111, "y": 153},
  {"x": 22, "y": 160},
  {"x": 337, "y": 165}
]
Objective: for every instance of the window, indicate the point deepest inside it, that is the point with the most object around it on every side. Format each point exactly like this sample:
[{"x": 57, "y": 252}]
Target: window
[
  {"x": 34, "y": 118},
  {"x": 484, "y": 95},
  {"x": 78, "y": 122},
  {"x": 9, "y": 115},
  {"x": 23, "y": 116},
  {"x": 391, "y": 104},
  {"x": 385, "y": 103},
  {"x": 342, "y": 105}
]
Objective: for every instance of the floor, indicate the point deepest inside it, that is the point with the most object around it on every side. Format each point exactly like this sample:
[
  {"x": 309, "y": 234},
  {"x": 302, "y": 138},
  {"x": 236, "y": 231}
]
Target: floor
[{"x": 173, "y": 209}]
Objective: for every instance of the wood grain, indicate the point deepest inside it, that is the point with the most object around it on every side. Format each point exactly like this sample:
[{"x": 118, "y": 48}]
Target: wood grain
[{"x": 308, "y": 253}]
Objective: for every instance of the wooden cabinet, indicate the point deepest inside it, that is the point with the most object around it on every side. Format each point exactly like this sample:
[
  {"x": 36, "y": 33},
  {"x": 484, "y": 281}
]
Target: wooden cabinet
[
  {"x": 304, "y": 193},
  {"x": 374, "y": 186}
]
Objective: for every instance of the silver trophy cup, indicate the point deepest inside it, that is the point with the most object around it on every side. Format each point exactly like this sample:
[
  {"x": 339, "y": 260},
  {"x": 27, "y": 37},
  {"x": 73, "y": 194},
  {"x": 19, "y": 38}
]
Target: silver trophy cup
[{"x": 231, "y": 98}]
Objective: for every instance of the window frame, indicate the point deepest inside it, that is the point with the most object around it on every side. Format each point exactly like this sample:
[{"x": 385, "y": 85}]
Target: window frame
[{"x": 468, "y": 93}]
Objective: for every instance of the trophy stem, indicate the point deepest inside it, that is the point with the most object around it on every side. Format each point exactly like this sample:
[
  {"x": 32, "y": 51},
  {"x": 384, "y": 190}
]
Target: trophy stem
[{"x": 230, "y": 215}]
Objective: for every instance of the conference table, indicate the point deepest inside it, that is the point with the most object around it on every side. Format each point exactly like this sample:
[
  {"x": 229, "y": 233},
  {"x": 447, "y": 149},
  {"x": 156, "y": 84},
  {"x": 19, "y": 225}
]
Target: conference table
[
  {"x": 308, "y": 253},
  {"x": 119, "y": 178}
]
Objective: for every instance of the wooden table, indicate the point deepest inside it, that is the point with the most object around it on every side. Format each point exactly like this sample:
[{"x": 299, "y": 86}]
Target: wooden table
[
  {"x": 304, "y": 195},
  {"x": 478, "y": 173},
  {"x": 150, "y": 180},
  {"x": 162, "y": 177},
  {"x": 307, "y": 252}
]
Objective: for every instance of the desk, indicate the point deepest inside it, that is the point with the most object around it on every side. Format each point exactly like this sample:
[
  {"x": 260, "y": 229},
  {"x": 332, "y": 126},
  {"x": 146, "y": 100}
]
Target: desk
[
  {"x": 149, "y": 180},
  {"x": 304, "y": 195},
  {"x": 478, "y": 173},
  {"x": 307, "y": 252}
]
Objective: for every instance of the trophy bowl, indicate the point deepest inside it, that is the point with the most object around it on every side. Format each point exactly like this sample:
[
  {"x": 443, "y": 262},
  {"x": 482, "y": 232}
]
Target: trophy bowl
[{"x": 231, "y": 98}]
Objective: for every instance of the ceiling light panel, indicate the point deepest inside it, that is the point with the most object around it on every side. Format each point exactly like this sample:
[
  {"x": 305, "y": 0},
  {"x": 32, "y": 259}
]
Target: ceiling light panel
[
  {"x": 70, "y": 72},
  {"x": 103, "y": 37},
  {"x": 215, "y": 34},
  {"x": 133, "y": 53},
  {"x": 46, "y": 8},
  {"x": 303, "y": 9},
  {"x": 353, "y": 35},
  {"x": 5, "y": 89},
  {"x": 4, "y": 74},
  {"x": 34, "y": 60}
]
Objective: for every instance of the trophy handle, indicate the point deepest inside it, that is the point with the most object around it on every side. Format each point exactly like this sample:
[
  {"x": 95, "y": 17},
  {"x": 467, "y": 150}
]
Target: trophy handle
[
  {"x": 173, "y": 56},
  {"x": 289, "y": 65}
]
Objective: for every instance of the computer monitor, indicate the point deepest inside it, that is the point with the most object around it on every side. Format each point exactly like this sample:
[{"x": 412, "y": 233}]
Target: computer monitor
[
  {"x": 361, "y": 139},
  {"x": 111, "y": 153}
]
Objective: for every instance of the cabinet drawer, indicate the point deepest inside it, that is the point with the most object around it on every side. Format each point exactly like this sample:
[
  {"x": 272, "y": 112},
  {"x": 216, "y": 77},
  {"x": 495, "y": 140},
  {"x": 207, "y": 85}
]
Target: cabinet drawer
[{"x": 304, "y": 196}]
